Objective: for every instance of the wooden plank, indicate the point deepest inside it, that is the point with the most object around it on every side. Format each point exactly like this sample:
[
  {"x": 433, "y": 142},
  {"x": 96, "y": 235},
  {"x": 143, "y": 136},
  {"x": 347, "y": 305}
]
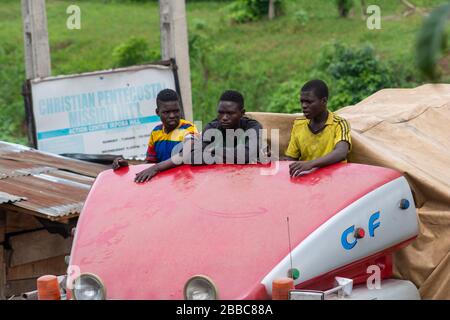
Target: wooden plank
[
  {"x": 17, "y": 222},
  {"x": 17, "y": 287},
  {"x": 20, "y": 210},
  {"x": 55, "y": 266},
  {"x": 2, "y": 273},
  {"x": 2, "y": 226},
  {"x": 36, "y": 246}
]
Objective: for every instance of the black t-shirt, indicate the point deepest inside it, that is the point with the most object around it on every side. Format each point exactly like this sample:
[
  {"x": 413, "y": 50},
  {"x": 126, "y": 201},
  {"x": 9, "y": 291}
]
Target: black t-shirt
[{"x": 241, "y": 145}]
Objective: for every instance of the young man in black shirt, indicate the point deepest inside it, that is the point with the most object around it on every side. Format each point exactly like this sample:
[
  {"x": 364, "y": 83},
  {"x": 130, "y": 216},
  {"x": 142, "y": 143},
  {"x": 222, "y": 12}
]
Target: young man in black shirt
[{"x": 231, "y": 137}]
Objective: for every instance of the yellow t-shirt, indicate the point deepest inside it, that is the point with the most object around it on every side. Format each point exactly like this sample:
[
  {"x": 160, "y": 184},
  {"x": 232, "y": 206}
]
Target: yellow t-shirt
[{"x": 306, "y": 146}]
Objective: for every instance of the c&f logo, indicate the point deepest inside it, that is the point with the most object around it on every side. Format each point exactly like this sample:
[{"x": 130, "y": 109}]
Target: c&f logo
[{"x": 359, "y": 232}]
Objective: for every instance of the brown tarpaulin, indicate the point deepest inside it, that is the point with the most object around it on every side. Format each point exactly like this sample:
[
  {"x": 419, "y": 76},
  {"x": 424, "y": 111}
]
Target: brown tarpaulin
[{"x": 407, "y": 130}]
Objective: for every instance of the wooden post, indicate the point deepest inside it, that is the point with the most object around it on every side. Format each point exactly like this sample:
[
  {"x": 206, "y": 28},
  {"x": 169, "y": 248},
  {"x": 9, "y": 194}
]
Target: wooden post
[
  {"x": 271, "y": 9},
  {"x": 37, "y": 49},
  {"x": 2, "y": 226},
  {"x": 363, "y": 9},
  {"x": 2, "y": 273},
  {"x": 174, "y": 45},
  {"x": 2, "y": 255}
]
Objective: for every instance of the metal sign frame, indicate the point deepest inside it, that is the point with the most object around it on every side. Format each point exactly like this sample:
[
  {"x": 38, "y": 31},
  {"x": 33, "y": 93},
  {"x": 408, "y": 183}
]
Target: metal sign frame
[{"x": 28, "y": 95}]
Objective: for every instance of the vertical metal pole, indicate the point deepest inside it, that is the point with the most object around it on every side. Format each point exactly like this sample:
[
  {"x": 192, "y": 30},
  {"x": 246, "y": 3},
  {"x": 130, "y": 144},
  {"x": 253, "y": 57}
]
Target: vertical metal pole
[
  {"x": 37, "y": 49},
  {"x": 174, "y": 45}
]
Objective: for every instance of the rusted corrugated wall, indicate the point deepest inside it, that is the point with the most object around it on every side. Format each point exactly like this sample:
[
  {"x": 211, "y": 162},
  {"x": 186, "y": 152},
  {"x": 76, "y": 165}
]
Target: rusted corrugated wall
[{"x": 44, "y": 184}]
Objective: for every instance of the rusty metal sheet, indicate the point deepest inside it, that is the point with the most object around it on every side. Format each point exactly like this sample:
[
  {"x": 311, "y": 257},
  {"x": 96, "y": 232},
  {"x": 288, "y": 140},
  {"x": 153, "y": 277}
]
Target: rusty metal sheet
[
  {"x": 72, "y": 176},
  {"x": 12, "y": 168},
  {"x": 6, "y": 147},
  {"x": 47, "y": 195},
  {"x": 44, "y": 184},
  {"x": 9, "y": 198},
  {"x": 51, "y": 200},
  {"x": 63, "y": 181},
  {"x": 39, "y": 158}
]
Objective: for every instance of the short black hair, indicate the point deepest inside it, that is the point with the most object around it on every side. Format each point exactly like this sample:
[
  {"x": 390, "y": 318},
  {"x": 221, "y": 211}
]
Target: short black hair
[
  {"x": 167, "y": 95},
  {"x": 319, "y": 88},
  {"x": 233, "y": 96}
]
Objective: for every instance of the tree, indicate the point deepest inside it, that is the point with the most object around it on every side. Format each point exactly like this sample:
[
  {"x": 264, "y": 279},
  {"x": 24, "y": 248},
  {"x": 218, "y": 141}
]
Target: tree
[
  {"x": 344, "y": 7},
  {"x": 432, "y": 42},
  {"x": 363, "y": 9},
  {"x": 271, "y": 9}
]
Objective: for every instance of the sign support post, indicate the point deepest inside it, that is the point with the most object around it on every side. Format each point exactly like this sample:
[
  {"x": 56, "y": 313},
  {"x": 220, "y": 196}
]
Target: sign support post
[
  {"x": 37, "y": 53},
  {"x": 37, "y": 49},
  {"x": 174, "y": 45}
]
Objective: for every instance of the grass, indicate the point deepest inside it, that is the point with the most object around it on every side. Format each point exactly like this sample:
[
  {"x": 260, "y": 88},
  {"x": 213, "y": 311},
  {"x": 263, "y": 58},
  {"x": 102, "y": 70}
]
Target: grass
[{"x": 254, "y": 58}]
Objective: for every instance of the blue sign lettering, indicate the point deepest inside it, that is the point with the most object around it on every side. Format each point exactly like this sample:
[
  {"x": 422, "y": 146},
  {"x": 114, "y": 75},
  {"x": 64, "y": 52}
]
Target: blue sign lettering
[
  {"x": 373, "y": 224},
  {"x": 347, "y": 245}
]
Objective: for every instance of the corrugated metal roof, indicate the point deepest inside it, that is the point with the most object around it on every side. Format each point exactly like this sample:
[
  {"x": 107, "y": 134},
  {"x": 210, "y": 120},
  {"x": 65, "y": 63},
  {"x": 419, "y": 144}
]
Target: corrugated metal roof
[
  {"x": 9, "y": 198},
  {"x": 44, "y": 184},
  {"x": 11, "y": 168},
  {"x": 34, "y": 157}
]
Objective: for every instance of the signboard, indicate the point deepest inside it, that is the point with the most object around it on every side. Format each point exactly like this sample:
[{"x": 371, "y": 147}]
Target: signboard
[{"x": 107, "y": 112}]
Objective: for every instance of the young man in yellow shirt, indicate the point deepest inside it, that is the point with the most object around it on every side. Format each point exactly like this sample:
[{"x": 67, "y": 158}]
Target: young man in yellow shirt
[{"x": 320, "y": 138}]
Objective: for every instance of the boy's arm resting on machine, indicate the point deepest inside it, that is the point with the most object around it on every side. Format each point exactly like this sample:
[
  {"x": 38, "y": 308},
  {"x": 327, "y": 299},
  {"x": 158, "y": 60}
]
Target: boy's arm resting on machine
[
  {"x": 119, "y": 162},
  {"x": 337, "y": 155},
  {"x": 176, "y": 160},
  {"x": 287, "y": 158},
  {"x": 149, "y": 173}
]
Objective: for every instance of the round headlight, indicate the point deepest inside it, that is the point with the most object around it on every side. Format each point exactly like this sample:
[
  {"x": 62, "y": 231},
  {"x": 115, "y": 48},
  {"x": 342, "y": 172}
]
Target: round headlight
[
  {"x": 88, "y": 287},
  {"x": 200, "y": 288}
]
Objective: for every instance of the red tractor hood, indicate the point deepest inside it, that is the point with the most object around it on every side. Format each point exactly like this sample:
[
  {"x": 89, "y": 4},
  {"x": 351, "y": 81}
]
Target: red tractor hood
[{"x": 227, "y": 222}]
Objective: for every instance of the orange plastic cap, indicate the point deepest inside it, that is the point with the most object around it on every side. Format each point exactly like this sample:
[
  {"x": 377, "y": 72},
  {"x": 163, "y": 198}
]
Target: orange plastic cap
[
  {"x": 48, "y": 288},
  {"x": 281, "y": 288}
]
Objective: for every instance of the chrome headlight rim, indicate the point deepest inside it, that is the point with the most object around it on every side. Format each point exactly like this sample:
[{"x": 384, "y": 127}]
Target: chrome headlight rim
[
  {"x": 92, "y": 276},
  {"x": 203, "y": 278}
]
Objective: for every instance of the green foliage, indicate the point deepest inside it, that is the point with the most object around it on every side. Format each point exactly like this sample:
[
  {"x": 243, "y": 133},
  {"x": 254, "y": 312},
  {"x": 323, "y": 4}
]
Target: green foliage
[
  {"x": 222, "y": 70},
  {"x": 352, "y": 75},
  {"x": 301, "y": 17},
  {"x": 344, "y": 7},
  {"x": 267, "y": 61},
  {"x": 201, "y": 51},
  {"x": 149, "y": 1},
  {"x": 286, "y": 98},
  {"x": 432, "y": 42},
  {"x": 12, "y": 113},
  {"x": 132, "y": 52},
  {"x": 242, "y": 11}
]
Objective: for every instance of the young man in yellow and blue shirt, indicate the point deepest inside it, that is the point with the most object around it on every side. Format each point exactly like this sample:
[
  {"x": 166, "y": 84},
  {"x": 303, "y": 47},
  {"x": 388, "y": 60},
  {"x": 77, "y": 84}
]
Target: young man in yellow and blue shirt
[
  {"x": 164, "y": 137},
  {"x": 320, "y": 138}
]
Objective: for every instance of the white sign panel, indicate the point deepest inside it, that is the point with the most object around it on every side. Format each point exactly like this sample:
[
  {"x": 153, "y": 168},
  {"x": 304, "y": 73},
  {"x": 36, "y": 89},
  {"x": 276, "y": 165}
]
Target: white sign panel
[{"x": 110, "y": 112}]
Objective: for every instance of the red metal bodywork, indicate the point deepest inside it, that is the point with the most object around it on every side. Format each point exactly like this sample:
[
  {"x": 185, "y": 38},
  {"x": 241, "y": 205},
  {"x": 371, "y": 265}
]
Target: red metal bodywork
[{"x": 227, "y": 222}]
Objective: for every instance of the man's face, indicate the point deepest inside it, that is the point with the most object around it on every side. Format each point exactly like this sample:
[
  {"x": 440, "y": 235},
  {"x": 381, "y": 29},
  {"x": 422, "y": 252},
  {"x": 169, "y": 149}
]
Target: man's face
[
  {"x": 170, "y": 114},
  {"x": 229, "y": 114},
  {"x": 311, "y": 105}
]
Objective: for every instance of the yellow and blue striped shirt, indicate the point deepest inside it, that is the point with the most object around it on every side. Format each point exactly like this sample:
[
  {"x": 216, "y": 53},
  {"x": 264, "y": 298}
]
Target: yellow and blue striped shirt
[{"x": 161, "y": 144}]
